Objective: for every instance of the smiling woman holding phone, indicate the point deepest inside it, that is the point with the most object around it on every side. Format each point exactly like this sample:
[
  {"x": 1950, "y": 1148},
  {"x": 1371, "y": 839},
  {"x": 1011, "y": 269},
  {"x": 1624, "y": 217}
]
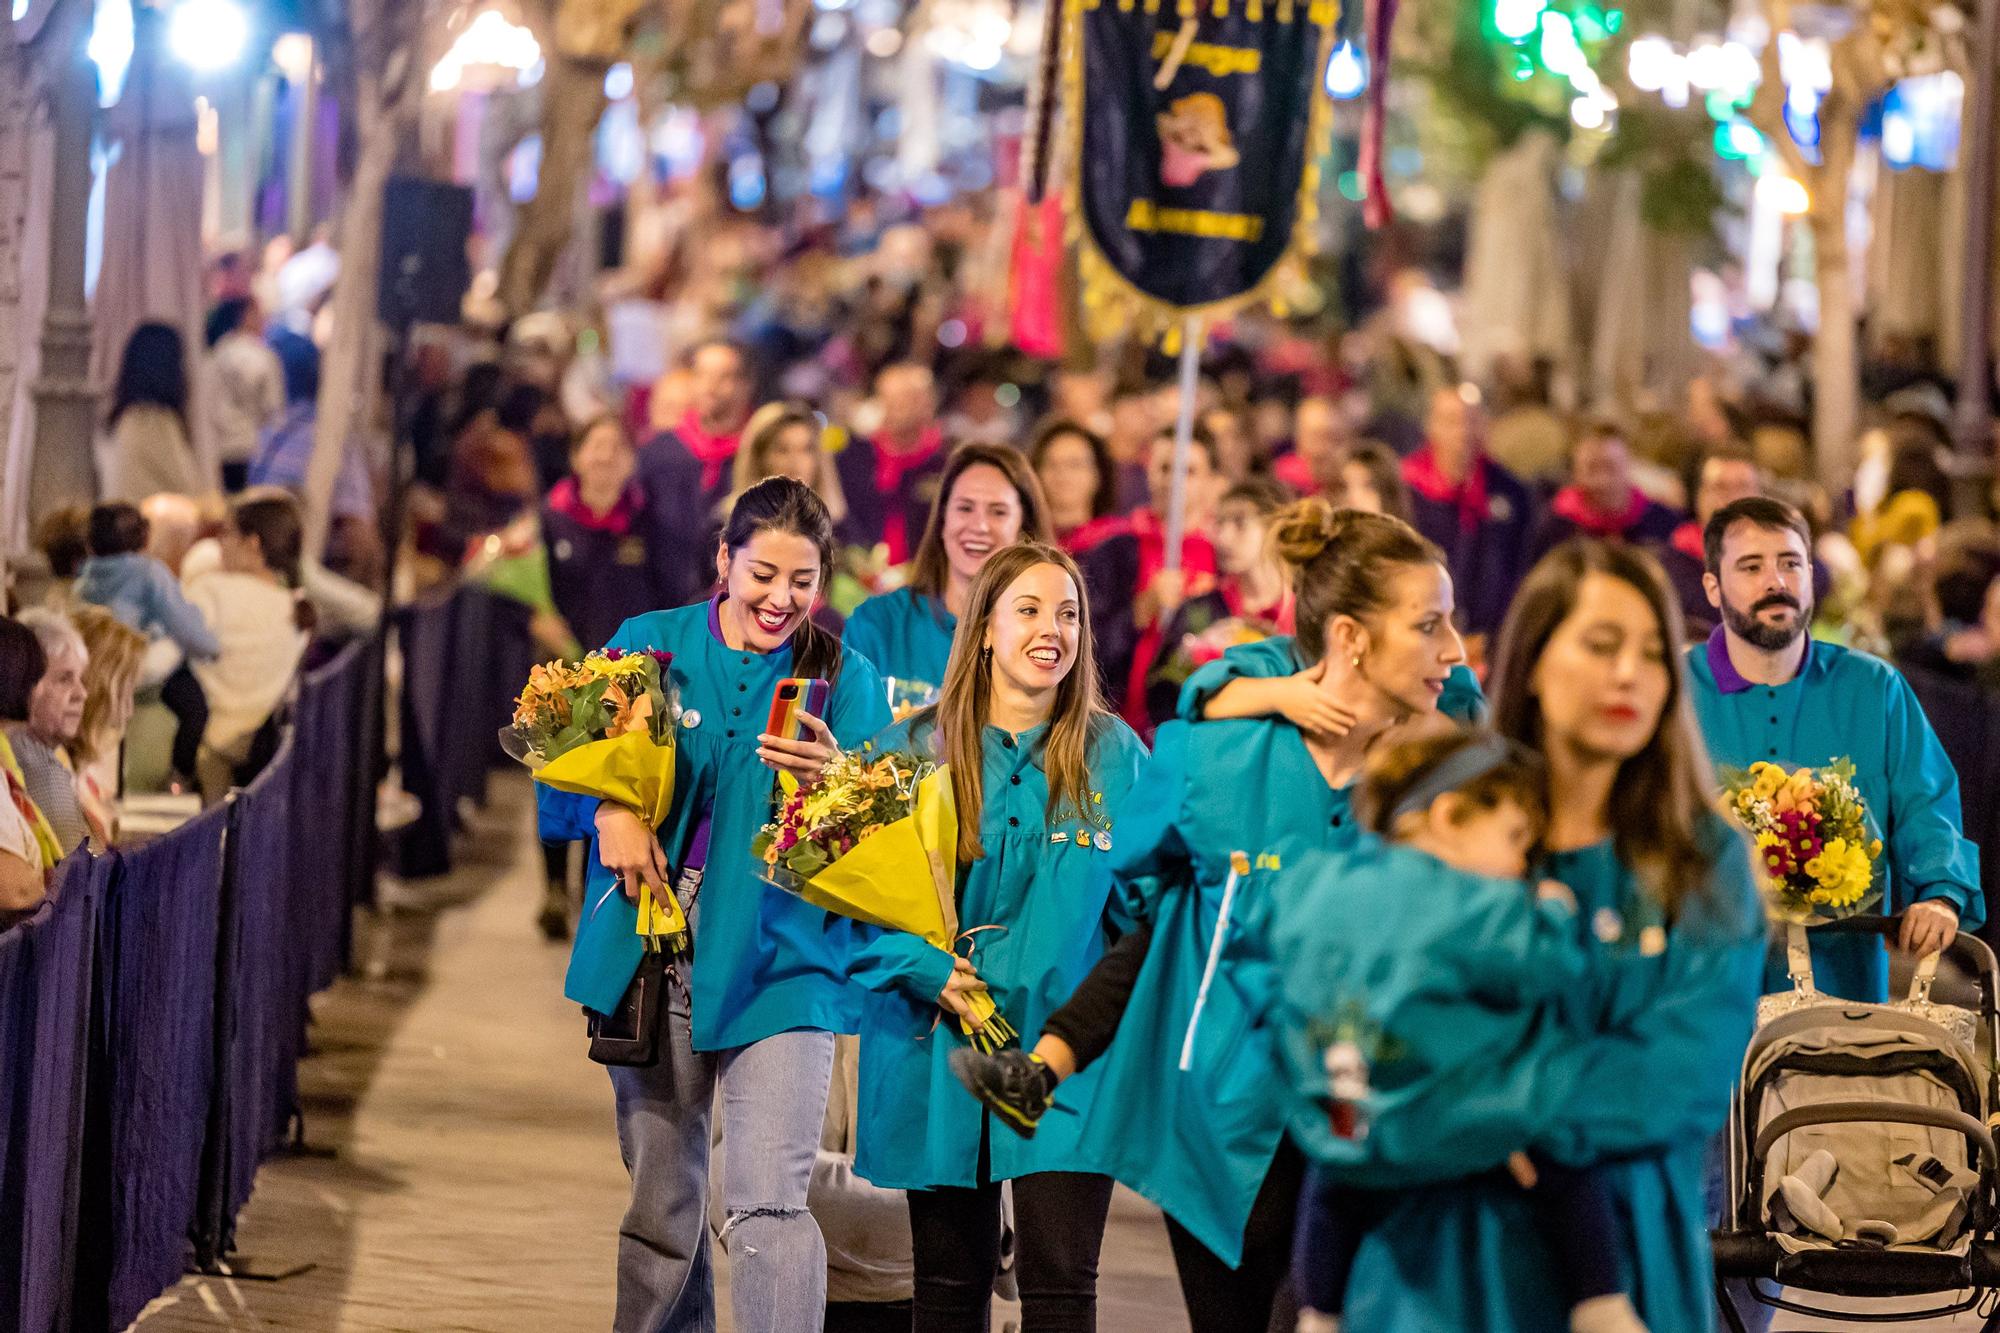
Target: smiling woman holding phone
[{"x": 756, "y": 1010}]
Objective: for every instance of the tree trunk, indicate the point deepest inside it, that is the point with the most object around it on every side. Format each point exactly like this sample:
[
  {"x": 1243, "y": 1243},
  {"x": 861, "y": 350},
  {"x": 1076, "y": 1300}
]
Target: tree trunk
[
  {"x": 1836, "y": 350},
  {"x": 386, "y": 89},
  {"x": 16, "y": 108},
  {"x": 572, "y": 103},
  {"x": 1836, "y": 356}
]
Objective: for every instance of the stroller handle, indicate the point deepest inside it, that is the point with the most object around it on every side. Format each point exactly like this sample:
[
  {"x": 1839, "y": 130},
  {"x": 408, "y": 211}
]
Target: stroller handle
[
  {"x": 1833, "y": 1113},
  {"x": 1975, "y": 953}
]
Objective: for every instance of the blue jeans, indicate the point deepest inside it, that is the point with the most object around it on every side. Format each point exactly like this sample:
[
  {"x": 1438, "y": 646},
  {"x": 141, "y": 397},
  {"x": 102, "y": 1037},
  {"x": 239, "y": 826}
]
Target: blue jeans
[{"x": 773, "y": 1103}]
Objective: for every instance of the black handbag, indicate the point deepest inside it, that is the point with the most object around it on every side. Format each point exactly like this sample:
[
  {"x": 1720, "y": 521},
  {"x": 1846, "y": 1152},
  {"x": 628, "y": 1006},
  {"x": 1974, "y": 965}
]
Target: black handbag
[{"x": 629, "y": 1036}]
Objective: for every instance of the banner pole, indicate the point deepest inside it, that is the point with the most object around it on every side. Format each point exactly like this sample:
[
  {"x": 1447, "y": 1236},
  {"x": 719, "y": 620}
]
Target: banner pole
[{"x": 1191, "y": 336}]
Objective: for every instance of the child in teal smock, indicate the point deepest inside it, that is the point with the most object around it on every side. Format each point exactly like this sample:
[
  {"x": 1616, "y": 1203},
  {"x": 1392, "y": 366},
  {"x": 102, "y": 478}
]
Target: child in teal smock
[
  {"x": 1461, "y": 978},
  {"x": 907, "y": 635},
  {"x": 766, "y": 962},
  {"x": 1846, "y": 704},
  {"x": 1643, "y": 1097}
]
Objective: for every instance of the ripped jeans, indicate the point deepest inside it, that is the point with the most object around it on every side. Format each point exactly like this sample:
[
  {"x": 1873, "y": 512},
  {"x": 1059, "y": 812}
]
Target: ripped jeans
[{"x": 773, "y": 1104}]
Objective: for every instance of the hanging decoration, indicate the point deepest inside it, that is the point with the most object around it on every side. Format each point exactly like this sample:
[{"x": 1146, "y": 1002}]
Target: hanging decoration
[{"x": 1194, "y": 129}]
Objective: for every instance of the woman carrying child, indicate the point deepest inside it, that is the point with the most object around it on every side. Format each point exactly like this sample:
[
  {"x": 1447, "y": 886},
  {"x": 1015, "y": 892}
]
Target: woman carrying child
[
  {"x": 1186, "y": 1112},
  {"x": 1040, "y": 772},
  {"x": 1633, "y": 1083}
]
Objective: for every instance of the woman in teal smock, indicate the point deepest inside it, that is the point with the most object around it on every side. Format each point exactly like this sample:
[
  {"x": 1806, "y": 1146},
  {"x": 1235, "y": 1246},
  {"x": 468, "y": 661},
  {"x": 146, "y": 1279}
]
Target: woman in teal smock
[
  {"x": 1586, "y": 673},
  {"x": 1041, "y": 773},
  {"x": 987, "y": 500},
  {"x": 1206, "y": 1142},
  {"x": 767, "y": 988}
]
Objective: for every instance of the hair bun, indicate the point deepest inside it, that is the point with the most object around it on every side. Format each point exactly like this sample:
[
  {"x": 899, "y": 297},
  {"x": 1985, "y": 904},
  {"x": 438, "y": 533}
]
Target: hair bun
[{"x": 1301, "y": 533}]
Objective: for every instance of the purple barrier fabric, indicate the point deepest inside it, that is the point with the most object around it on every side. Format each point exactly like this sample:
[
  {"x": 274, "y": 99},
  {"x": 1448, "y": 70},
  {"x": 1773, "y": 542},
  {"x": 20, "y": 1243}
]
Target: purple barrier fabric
[
  {"x": 324, "y": 736},
  {"x": 155, "y": 1023},
  {"x": 260, "y": 1029},
  {"x": 45, "y": 993},
  {"x": 426, "y": 633}
]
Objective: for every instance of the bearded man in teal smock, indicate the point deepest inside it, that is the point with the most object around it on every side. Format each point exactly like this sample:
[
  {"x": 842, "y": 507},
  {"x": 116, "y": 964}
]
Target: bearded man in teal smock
[{"x": 1763, "y": 689}]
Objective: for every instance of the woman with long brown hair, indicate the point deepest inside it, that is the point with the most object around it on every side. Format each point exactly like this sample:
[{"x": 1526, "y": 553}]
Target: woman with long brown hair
[
  {"x": 1588, "y": 674},
  {"x": 1040, "y": 772},
  {"x": 755, "y": 1013},
  {"x": 987, "y": 499}
]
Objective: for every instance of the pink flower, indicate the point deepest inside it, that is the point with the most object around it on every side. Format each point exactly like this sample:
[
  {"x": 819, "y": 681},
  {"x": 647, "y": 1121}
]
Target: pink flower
[
  {"x": 664, "y": 659},
  {"x": 613, "y": 654}
]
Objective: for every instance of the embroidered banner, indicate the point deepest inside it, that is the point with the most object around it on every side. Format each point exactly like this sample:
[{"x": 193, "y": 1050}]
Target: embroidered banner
[{"x": 1192, "y": 197}]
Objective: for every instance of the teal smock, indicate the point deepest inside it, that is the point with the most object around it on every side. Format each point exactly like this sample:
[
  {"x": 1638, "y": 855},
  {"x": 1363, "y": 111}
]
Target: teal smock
[
  {"x": 1848, "y": 704},
  {"x": 1279, "y": 656},
  {"x": 919, "y": 1128},
  {"x": 1455, "y": 988},
  {"x": 1200, "y": 1143},
  {"x": 1642, "y": 1098},
  {"x": 765, "y": 962},
  {"x": 907, "y": 635}
]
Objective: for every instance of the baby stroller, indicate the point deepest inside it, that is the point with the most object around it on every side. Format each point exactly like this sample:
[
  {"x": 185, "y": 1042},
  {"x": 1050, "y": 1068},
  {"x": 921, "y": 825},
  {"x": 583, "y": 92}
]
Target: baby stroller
[{"x": 1861, "y": 1161}]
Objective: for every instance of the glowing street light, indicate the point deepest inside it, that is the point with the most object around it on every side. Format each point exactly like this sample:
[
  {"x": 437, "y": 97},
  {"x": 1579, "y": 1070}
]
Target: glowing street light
[
  {"x": 1346, "y": 72},
  {"x": 208, "y": 34}
]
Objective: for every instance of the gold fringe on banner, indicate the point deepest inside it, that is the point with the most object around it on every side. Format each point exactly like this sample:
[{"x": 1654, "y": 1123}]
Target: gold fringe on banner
[{"x": 1111, "y": 306}]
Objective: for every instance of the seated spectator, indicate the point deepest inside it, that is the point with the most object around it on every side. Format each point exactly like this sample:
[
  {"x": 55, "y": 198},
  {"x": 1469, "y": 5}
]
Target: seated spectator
[
  {"x": 148, "y": 447},
  {"x": 173, "y": 525},
  {"x": 55, "y": 712},
  {"x": 116, "y": 652},
  {"x": 63, "y": 538},
  {"x": 28, "y": 847},
  {"x": 243, "y": 386},
  {"x": 285, "y": 454},
  {"x": 260, "y": 624},
  {"x": 120, "y": 577},
  {"x": 1600, "y": 499}
]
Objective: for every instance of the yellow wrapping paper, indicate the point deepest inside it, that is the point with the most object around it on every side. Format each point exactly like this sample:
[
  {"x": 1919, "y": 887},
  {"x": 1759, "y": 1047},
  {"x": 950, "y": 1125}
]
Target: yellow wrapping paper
[
  {"x": 904, "y": 876},
  {"x": 637, "y": 772}
]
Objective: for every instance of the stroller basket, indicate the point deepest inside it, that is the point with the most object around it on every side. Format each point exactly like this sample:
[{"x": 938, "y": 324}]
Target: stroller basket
[{"x": 1861, "y": 1162}]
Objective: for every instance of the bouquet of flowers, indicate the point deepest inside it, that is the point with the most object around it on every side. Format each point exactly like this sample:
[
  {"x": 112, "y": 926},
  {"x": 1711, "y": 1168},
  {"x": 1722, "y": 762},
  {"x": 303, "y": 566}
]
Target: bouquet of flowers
[
  {"x": 604, "y": 727},
  {"x": 875, "y": 838},
  {"x": 1813, "y": 847}
]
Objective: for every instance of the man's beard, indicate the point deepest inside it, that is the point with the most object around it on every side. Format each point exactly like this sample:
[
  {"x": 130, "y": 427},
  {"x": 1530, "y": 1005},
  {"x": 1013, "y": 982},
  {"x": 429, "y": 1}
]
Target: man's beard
[{"x": 1769, "y": 638}]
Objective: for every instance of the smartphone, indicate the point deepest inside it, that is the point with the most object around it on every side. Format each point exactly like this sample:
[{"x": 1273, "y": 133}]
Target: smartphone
[{"x": 792, "y": 697}]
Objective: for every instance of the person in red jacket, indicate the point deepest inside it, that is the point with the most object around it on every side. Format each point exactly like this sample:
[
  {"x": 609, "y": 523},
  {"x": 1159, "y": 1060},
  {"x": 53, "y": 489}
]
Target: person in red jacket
[{"x": 1600, "y": 500}]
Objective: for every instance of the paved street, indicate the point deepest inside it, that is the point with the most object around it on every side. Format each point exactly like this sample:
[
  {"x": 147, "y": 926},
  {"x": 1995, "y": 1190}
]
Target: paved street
[{"x": 474, "y": 1182}]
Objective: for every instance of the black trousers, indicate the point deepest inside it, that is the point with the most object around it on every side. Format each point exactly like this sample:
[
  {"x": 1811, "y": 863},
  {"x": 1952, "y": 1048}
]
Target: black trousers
[
  {"x": 182, "y": 695},
  {"x": 1254, "y": 1297},
  {"x": 955, "y": 1245},
  {"x": 1089, "y": 1019}
]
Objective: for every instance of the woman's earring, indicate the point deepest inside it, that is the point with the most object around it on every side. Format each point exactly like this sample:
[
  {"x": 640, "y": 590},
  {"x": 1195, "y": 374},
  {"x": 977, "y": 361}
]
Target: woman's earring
[{"x": 1357, "y": 661}]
